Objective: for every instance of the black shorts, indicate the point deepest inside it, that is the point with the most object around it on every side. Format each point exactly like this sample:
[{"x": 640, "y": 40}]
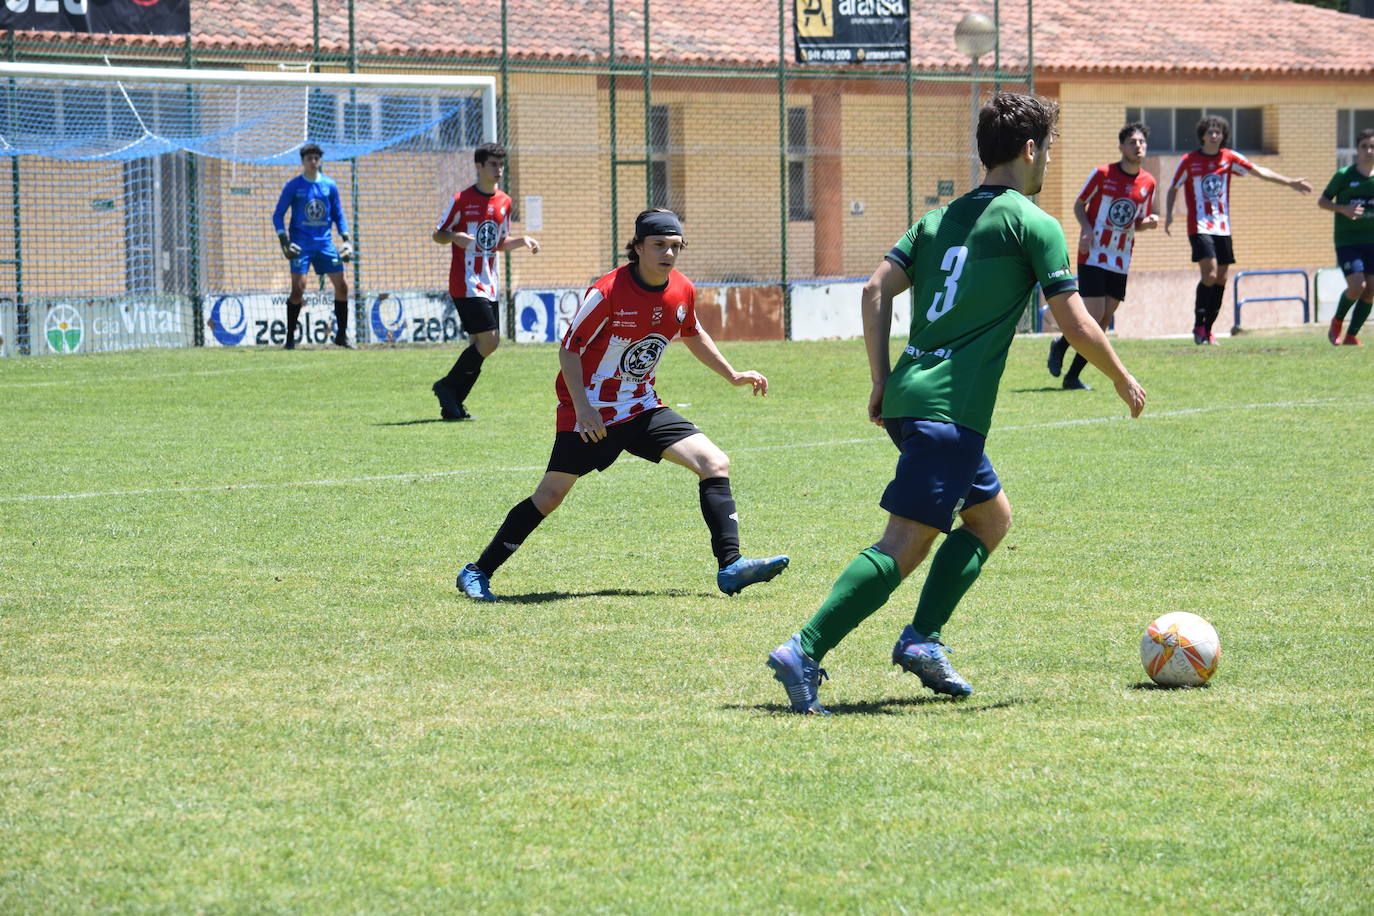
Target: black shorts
[
  {"x": 1094, "y": 281},
  {"x": 1213, "y": 247},
  {"x": 477, "y": 315},
  {"x": 1355, "y": 259},
  {"x": 646, "y": 436}
]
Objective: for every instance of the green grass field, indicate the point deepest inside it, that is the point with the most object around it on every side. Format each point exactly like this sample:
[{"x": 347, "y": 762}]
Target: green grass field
[{"x": 235, "y": 675}]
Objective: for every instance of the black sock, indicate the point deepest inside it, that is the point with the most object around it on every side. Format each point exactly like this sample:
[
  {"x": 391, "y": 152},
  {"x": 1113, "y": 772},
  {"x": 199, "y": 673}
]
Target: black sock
[
  {"x": 1200, "y": 302},
  {"x": 1079, "y": 361},
  {"x": 464, "y": 373},
  {"x": 718, "y": 508},
  {"x": 520, "y": 522},
  {"x": 293, "y": 317},
  {"x": 341, "y": 318},
  {"x": 1214, "y": 299}
]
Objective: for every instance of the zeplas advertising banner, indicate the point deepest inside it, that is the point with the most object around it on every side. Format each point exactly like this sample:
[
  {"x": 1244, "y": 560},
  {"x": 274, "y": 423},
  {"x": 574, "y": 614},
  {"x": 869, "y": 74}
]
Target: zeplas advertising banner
[
  {"x": 852, "y": 31},
  {"x": 120, "y": 17}
]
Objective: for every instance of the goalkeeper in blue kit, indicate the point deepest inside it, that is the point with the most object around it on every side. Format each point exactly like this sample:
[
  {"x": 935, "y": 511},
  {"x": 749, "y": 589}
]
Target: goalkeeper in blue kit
[{"x": 313, "y": 199}]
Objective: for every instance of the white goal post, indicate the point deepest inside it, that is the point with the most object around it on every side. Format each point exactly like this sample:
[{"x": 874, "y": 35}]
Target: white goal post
[{"x": 191, "y": 77}]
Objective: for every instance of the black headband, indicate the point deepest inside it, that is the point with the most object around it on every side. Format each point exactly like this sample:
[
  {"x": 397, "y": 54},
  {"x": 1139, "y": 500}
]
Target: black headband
[{"x": 657, "y": 223}]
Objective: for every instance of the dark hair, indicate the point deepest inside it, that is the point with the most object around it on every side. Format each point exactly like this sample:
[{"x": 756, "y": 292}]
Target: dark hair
[
  {"x": 1008, "y": 120},
  {"x": 630, "y": 254},
  {"x": 312, "y": 148},
  {"x": 488, "y": 151},
  {"x": 1219, "y": 123},
  {"x": 1364, "y": 135},
  {"x": 1125, "y": 133}
]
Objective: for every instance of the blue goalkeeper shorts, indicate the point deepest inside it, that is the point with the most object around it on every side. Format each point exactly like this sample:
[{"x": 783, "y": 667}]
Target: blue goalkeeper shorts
[{"x": 325, "y": 260}]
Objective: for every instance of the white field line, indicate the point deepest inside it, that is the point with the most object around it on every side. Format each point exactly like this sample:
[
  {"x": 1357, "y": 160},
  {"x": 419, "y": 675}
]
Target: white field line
[
  {"x": 434, "y": 475},
  {"x": 190, "y": 373}
]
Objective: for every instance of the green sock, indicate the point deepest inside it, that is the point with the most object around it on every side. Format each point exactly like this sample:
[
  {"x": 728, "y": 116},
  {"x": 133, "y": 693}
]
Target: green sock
[
  {"x": 1343, "y": 307},
  {"x": 1357, "y": 319},
  {"x": 955, "y": 567},
  {"x": 864, "y": 586}
]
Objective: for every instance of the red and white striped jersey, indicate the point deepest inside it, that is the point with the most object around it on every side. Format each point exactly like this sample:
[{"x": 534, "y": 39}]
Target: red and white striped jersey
[
  {"x": 1115, "y": 202},
  {"x": 620, "y": 331},
  {"x": 1206, "y": 183},
  {"x": 486, "y": 217}
]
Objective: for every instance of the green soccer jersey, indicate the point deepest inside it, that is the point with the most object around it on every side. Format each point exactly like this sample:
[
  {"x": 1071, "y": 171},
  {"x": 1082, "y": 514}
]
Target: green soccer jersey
[
  {"x": 972, "y": 265},
  {"x": 1348, "y": 186}
]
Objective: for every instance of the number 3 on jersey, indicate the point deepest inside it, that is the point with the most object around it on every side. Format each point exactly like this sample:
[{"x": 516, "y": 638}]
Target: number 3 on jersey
[{"x": 953, "y": 264}]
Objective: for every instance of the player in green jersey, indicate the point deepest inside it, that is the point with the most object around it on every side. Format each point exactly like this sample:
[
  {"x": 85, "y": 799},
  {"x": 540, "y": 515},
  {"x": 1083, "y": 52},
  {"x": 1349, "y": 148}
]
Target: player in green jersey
[
  {"x": 971, "y": 267},
  {"x": 1350, "y": 195}
]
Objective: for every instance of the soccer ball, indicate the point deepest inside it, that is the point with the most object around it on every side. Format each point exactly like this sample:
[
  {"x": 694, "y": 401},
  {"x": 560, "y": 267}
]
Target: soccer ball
[{"x": 1180, "y": 649}]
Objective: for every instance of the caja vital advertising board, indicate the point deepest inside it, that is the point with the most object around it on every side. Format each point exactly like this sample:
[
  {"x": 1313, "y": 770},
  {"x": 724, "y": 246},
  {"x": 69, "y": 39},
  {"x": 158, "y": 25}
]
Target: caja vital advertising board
[{"x": 99, "y": 325}]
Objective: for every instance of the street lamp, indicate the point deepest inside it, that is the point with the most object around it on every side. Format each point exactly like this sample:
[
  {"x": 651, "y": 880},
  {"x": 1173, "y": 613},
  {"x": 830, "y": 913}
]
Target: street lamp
[{"x": 975, "y": 35}]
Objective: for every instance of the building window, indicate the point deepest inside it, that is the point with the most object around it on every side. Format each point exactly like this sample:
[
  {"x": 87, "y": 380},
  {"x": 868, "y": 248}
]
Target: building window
[
  {"x": 1174, "y": 130},
  {"x": 798, "y": 165},
  {"x": 357, "y": 122},
  {"x": 1349, "y": 123}
]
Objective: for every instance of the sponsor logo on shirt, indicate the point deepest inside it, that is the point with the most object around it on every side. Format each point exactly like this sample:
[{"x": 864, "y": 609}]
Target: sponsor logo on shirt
[
  {"x": 487, "y": 235},
  {"x": 639, "y": 359},
  {"x": 1121, "y": 213},
  {"x": 942, "y": 353},
  {"x": 1061, "y": 272},
  {"x": 681, "y": 314},
  {"x": 1212, "y": 186},
  {"x": 314, "y": 209},
  {"x": 658, "y": 315}
]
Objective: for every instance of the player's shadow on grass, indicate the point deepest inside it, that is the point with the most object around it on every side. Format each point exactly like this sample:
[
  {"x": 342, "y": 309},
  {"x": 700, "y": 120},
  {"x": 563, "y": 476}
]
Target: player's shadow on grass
[
  {"x": 1043, "y": 388},
  {"x": 546, "y": 597},
  {"x": 889, "y": 706},
  {"x": 414, "y": 422}
]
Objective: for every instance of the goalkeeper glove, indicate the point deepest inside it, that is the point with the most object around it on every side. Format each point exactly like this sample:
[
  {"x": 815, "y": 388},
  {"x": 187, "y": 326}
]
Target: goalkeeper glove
[
  {"x": 289, "y": 249},
  {"x": 345, "y": 250}
]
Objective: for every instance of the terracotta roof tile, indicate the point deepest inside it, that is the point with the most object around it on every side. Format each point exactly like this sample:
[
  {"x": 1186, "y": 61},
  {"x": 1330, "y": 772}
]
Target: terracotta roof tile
[{"x": 1071, "y": 36}]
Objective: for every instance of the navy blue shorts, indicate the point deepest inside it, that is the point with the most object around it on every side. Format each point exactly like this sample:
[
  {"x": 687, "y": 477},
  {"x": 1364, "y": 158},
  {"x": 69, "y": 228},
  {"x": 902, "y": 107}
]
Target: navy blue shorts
[
  {"x": 1355, "y": 259},
  {"x": 324, "y": 259},
  {"x": 942, "y": 471}
]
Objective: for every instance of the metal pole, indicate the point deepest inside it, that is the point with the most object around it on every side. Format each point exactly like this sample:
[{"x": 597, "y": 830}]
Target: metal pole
[
  {"x": 315, "y": 18},
  {"x": 910, "y": 189},
  {"x": 782, "y": 171},
  {"x": 973, "y": 125},
  {"x": 648, "y": 108},
  {"x": 997, "y": 45},
  {"x": 615, "y": 168},
  {"x": 21, "y": 308},
  {"x": 1030, "y": 46},
  {"x": 504, "y": 137},
  {"x": 193, "y": 214},
  {"x": 359, "y": 310}
]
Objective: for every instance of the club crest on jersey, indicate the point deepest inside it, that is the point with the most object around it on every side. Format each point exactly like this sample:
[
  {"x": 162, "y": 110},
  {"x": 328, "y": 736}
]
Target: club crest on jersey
[
  {"x": 639, "y": 359},
  {"x": 487, "y": 235},
  {"x": 1211, "y": 187},
  {"x": 1121, "y": 213},
  {"x": 315, "y": 209}
]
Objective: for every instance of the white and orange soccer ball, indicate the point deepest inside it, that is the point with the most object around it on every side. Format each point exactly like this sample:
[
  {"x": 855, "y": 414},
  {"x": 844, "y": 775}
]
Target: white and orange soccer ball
[{"x": 1180, "y": 649}]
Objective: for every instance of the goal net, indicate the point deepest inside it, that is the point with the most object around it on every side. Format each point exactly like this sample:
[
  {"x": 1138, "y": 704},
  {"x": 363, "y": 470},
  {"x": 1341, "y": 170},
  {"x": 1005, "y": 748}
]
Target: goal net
[{"x": 139, "y": 202}]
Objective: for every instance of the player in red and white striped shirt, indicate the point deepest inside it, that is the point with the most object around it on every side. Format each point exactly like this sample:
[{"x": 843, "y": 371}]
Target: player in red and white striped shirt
[
  {"x": 607, "y": 404},
  {"x": 1205, "y": 175},
  {"x": 1117, "y": 199},
  {"x": 476, "y": 225}
]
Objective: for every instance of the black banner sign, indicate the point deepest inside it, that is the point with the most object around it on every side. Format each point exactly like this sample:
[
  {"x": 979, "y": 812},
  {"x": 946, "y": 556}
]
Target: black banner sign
[
  {"x": 120, "y": 17},
  {"x": 852, "y": 31}
]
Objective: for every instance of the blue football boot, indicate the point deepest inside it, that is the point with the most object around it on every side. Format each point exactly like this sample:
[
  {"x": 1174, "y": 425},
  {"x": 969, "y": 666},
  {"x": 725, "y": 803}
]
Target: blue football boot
[
  {"x": 474, "y": 583},
  {"x": 925, "y": 658},
  {"x": 799, "y": 675},
  {"x": 743, "y": 573}
]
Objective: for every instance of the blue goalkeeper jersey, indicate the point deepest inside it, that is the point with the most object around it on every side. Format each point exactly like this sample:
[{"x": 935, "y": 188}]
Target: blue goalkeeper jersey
[{"x": 314, "y": 206}]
